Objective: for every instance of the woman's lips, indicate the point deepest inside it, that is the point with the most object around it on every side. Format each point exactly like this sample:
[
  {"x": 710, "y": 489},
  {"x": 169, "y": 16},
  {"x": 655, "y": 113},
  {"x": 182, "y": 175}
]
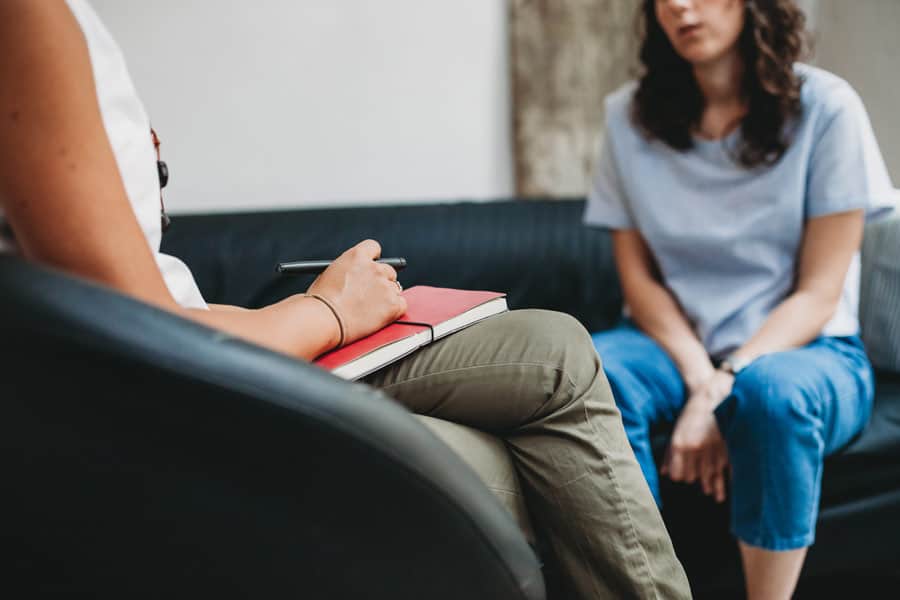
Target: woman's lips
[{"x": 688, "y": 30}]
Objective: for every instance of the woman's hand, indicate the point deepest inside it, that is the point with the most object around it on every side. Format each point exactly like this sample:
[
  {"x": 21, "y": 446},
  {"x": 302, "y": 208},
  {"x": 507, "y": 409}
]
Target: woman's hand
[
  {"x": 697, "y": 450},
  {"x": 364, "y": 293}
]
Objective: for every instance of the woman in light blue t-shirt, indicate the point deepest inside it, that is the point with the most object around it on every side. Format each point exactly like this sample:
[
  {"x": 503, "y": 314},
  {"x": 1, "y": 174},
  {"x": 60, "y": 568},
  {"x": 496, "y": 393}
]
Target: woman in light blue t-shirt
[{"x": 737, "y": 182}]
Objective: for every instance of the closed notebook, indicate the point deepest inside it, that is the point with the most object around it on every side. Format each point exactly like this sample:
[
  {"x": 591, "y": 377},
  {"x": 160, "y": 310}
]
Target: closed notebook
[{"x": 432, "y": 313}]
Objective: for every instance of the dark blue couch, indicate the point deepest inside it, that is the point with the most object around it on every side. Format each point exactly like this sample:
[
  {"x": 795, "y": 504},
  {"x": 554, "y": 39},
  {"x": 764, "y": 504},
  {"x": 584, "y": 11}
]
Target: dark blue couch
[{"x": 540, "y": 254}]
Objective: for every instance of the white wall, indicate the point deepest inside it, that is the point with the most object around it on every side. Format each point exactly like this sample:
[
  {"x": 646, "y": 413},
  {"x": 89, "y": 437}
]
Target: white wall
[
  {"x": 283, "y": 103},
  {"x": 860, "y": 41}
]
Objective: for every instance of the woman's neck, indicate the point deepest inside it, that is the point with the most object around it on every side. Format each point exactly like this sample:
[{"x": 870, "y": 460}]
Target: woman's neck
[
  {"x": 720, "y": 82},
  {"x": 720, "y": 79}
]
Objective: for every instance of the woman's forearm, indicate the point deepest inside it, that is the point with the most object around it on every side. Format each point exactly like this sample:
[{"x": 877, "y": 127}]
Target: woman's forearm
[
  {"x": 829, "y": 244},
  {"x": 795, "y": 322},
  {"x": 299, "y": 326},
  {"x": 657, "y": 313}
]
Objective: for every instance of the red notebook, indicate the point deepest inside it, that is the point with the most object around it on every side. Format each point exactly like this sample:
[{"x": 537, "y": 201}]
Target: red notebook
[{"x": 432, "y": 313}]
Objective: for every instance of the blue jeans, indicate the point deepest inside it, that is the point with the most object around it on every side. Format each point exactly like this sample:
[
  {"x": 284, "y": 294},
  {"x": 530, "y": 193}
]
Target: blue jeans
[{"x": 786, "y": 413}]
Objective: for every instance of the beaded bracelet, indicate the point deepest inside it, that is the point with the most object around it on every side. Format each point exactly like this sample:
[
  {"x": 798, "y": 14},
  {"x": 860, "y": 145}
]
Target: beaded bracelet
[{"x": 334, "y": 311}]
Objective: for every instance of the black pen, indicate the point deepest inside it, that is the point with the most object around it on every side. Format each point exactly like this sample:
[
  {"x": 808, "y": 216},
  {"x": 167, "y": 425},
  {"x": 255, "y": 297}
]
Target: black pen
[{"x": 302, "y": 267}]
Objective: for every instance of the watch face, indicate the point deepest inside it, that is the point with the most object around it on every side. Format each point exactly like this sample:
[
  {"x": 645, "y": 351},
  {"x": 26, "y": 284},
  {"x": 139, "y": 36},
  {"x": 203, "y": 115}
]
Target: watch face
[
  {"x": 739, "y": 364},
  {"x": 734, "y": 364}
]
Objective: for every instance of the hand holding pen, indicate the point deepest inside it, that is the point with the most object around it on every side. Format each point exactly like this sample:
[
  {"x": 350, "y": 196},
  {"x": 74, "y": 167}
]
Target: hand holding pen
[{"x": 359, "y": 288}]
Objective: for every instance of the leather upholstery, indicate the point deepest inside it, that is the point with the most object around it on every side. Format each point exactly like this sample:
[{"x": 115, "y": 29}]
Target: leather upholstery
[{"x": 145, "y": 456}]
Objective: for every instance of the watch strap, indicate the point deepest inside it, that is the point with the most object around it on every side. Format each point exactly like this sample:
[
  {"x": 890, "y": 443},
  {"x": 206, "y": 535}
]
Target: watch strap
[{"x": 734, "y": 364}]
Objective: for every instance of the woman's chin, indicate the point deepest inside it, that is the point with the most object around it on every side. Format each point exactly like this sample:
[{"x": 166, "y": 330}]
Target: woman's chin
[{"x": 699, "y": 55}]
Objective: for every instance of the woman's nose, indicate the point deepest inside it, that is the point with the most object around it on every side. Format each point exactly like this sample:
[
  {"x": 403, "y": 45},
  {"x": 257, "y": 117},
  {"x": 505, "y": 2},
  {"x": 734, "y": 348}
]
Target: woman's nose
[{"x": 678, "y": 6}]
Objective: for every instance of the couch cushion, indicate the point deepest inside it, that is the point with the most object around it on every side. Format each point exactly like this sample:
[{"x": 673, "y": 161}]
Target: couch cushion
[{"x": 880, "y": 297}]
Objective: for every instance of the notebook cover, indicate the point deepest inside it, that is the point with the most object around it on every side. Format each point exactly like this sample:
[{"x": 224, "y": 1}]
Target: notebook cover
[
  {"x": 361, "y": 347},
  {"x": 435, "y": 305},
  {"x": 425, "y": 304}
]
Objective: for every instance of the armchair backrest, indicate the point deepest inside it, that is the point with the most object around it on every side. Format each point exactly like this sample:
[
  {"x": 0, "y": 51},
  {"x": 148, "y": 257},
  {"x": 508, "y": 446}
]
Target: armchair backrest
[{"x": 145, "y": 455}]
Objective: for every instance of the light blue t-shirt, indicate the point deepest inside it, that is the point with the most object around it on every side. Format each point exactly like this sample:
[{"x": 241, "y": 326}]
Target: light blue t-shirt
[{"x": 726, "y": 238}]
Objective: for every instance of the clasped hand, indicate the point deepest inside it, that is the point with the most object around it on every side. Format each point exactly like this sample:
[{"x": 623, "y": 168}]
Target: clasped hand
[{"x": 697, "y": 450}]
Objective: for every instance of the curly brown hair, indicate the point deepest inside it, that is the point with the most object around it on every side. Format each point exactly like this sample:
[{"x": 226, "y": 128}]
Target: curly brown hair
[{"x": 668, "y": 104}]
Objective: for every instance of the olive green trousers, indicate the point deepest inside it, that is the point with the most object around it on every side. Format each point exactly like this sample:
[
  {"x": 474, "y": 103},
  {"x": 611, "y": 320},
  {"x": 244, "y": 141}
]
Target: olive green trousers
[{"x": 533, "y": 379}]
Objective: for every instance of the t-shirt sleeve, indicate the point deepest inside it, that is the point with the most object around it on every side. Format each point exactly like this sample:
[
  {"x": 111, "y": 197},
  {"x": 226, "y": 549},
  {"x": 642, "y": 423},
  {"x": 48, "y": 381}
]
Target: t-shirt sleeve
[
  {"x": 606, "y": 203},
  {"x": 847, "y": 171},
  {"x": 180, "y": 282}
]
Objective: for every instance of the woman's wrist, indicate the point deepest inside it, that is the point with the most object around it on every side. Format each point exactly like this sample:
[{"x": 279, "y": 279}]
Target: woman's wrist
[
  {"x": 713, "y": 392},
  {"x": 690, "y": 359},
  {"x": 698, "y": 374},
  {"x": 327, "y": 321},
  {"x": 695, "y": 381}
]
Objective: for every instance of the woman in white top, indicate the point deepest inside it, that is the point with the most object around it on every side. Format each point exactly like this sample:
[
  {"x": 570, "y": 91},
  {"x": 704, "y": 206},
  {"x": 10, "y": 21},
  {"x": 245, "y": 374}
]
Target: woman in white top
[{"x": 80, "y": 191}]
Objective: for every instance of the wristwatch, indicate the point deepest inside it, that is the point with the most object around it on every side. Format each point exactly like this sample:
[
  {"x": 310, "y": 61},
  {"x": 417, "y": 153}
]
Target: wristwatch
[{"x": 734, "y": 364}]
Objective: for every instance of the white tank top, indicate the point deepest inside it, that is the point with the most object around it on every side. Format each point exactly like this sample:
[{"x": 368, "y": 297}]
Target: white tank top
[{"x": 128, "y": 129}]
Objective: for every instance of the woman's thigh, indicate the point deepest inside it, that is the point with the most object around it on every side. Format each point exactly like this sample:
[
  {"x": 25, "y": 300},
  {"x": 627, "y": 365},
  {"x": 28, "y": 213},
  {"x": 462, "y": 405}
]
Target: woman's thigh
[
  {"x": 825, "y": 388},
  {"x": 496, "y": 375}
]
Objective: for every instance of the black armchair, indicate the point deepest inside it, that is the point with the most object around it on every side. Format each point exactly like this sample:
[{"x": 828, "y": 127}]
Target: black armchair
[{"x": 145, "y": 456}]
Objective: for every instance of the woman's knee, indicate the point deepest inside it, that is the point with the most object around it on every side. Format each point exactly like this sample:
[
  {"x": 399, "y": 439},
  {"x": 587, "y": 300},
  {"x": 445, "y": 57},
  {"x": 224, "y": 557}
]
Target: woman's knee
[
  {"x": 770, "y": 399},
  {"x": 551, "y": 336},
  {"x": 562, "y": 344}
]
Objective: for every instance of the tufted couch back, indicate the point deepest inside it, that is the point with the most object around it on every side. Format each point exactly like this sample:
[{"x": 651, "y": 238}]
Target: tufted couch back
[{"x": 536, "y": 251}]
